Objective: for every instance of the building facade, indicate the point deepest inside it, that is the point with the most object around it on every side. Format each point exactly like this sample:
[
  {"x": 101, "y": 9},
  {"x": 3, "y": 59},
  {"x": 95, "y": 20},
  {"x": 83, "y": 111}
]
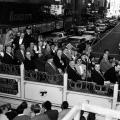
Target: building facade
[{"x": 113, "y": 8}]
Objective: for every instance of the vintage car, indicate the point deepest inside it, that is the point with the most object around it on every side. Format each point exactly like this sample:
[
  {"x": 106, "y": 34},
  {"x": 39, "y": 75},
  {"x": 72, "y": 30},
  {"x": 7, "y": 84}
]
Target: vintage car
[{"x": 56, "y": 36}]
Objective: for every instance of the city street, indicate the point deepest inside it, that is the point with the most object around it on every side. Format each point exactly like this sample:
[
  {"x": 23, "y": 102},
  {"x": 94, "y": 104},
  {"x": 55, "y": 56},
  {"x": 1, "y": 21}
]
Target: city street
[{"x": 109, "y": 41}]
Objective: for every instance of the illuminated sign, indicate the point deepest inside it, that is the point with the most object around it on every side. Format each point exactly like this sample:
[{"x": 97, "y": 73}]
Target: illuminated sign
[{"x": 56, "y": 9}]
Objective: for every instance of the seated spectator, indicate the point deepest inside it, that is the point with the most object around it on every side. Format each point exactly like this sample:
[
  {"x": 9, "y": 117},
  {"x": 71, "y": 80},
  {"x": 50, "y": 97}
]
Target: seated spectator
[
  {"x": 3, "y": 111},
  {"x": 64, "y": 111},
  {"x": 38, "y": 48},
  {"x": 53, "y": 49},
  {"x": 59, "y": 61},
  {"x": 32, "y": 114},
  {"x": 119, "y": 48},
  {"x": 75, "y": 54},
  {"x": 93, "y": 61},
  {"x": 105, "y": 63},
  {"x": 85, "y": 59},
  {"x": 112, "y": 74},
  {"x": 47, "y": 50},
  {"x": 50, "y": 67},
  {"x": 29, "y": 63},
  {"x": 8, "y": 57},
  {"x": 20, "y": 54},
  {"x": 81, "y": 47},
  {"x": 88, "y": 50},
  {"x": 9, "y": 37},
  {"x": 67, "y": 53},
  {"x": 40, "y": 38},
  {"x": 91, "y": 116},
  {"x": 1, "y": 52},
  {"x": 52, "y": 114},
  {"x": 81, "y": 115},
  {"x": 11, "y": 112},
  {"x": 72, "y": 72},
  {"x": 40, "y": 115},
  {"x": 81, "y": 68},
  {"x": 28, "y": 38},
  {"x": 22, "y": 106},
  {"x": 21, "y": 112},
  {"x": 113, "y": 61},
  {"x": 40, "y": 63},
  {"x": 35, "y": 109},
  {"x": 31, "y": 50},
  {"x": 97, "y": 75},
  {"x": 18, "y": 40}
]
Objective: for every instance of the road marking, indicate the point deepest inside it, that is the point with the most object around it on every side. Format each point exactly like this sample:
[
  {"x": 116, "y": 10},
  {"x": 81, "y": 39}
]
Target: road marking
[
  {"x": 110, "y": 31},
  {"x": 107, "y": 34}
]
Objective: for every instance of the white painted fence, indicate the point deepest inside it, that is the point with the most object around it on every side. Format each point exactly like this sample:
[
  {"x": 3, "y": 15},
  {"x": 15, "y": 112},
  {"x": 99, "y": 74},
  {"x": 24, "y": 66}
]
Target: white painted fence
[
  {"x": 30, "y": 91},
  {"x": 107, "y": 113}
]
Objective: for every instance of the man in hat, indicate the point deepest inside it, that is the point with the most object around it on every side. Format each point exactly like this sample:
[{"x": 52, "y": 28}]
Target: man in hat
[{"x": 28, "y": 37}]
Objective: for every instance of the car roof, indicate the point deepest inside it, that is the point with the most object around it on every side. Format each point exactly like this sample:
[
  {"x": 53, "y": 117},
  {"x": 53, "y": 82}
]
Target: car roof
[
  {"x": 86, "y": 37},
  {"x": 76, "y": 37},
  {"x": 57, "y": 32}
]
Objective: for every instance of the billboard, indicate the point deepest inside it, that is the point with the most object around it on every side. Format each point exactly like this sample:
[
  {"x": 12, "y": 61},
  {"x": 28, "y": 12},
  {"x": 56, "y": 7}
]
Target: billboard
[{"x": 56, "y": 9}]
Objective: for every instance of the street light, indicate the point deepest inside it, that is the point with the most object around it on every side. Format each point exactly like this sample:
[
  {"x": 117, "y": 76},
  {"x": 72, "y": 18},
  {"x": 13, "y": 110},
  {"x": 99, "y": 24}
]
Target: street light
[{"x": 89, "y": 4}]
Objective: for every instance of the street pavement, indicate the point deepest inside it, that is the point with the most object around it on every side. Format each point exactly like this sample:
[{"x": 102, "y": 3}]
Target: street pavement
[{"x": 109, "y": 41}]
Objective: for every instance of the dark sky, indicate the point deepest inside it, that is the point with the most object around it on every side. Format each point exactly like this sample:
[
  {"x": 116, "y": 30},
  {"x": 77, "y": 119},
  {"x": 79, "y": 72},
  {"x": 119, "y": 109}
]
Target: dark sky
[{"x": 25, "y": 1}]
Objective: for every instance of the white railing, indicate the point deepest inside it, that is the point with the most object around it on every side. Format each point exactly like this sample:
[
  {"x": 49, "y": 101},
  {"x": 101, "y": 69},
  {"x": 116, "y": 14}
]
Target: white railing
[
  {"x": 65, "y": 90},
  {"x": 107, "y": 113}
]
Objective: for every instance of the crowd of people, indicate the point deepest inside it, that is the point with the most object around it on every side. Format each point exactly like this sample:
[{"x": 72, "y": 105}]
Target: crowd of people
[
  {"x": 44, "y": 55},
  {"x": 38, "y": 112}
]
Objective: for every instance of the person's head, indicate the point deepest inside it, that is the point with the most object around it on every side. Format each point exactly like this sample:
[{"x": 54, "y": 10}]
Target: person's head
[
  {"x": 106, "y": 51},
  {"x": 4, "y": 109},
  {"x": 52, "y": 46},
  {"x": 18, "y": 34},
  {"x": 35, "y": 108},
  {"x": 64, "y": 105},
  {"x": 40, "y": 43},
  {"x": 78, "y": 61},
  {"x": 28, "y": 55},
  {"x": 40, "y": 38},
  {"x": 72, "y": 63},
  {"x": 1, "y": 48},
  {"x": 31, "y": 45},
  {"x": 22, "y": 47},
  {"x": 91, "y": 116},
  {"x": 24, "y": 104},
  {"x": 84, "y": 57},
  {"x": 92, "y": 58},
  {"x": 8, "y": 49},
  {"x": 22, "y": 35},
  {"x": 105, "y": 56},
  {"x": 56, "y": 47},
  {"x": 47, "y": 105},
  {"x": 59, "y": 52},
  {"x": 117, "y": 67},
  {"x": 97, "y": 67},
  {"x": 82, "y": 112},
  {"x": 8, "y": 106},
  {"x": 28, "y": 30},
  {"x": 89, "y": 48},
  {"x": 50, "y": 59},
  {"x": 22, "y": 107}
]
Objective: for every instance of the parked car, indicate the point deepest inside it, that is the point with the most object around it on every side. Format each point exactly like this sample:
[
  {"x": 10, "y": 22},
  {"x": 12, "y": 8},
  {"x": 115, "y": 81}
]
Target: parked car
[
  {"x": 101, "y": 27},
  {"x": 56, "y": 36},
  {"x": 80, "y": 30}
]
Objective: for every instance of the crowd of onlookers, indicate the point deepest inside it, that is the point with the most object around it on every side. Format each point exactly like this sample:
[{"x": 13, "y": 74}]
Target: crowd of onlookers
[
  {"x": 38, "y": 112},
  {"x": 44, "y": 55}
]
